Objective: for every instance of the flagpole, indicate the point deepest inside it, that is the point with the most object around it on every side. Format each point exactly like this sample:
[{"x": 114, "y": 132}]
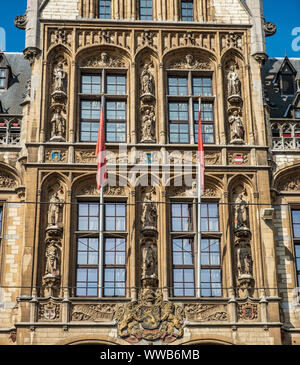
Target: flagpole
[
  {"x": 101, "y": 248},
  {"x": 101, "y": 224},
  {"x": 199, "y": 215}
]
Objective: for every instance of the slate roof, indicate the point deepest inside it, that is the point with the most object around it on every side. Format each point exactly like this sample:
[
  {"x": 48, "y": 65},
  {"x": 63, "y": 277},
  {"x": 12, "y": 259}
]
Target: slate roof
[
  {"x": 279, "y": 104},
  {"x": 21, "y": 72}
]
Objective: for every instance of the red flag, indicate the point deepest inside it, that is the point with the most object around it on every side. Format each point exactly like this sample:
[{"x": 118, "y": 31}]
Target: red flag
[
  {"x": 201, "y": 159},
  {"x": 100, "y": 153}
]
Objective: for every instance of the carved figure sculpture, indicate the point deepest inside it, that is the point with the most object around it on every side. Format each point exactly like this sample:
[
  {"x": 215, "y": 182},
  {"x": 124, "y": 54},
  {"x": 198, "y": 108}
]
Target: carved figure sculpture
[
  {"x": 57, "y": 124},
  {"x": 59, "y": 76},
  {"x": 241, "y": 212},
  {"x": 149, "y": 215},
  {"x": 54, "y": 210},
  {"x": 237, "y": 131},
  {"x": 52, "y": 259},
  {"x": 234, "y": 83},
  {"x": 148, "y": 127},
  {"x": 244, "y": 259},
  {"x": 147, "y": 80},
  {"x": 149, "y": 262}
]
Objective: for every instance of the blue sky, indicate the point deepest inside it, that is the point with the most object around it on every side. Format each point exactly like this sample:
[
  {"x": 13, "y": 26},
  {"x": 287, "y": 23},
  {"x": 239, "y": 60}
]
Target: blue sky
[{"x": 286, "y": 15}]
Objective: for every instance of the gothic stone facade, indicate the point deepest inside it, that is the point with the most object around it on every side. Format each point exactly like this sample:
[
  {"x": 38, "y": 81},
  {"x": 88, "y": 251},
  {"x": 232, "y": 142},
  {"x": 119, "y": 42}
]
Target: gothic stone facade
[{"x": 148, "y": 280}]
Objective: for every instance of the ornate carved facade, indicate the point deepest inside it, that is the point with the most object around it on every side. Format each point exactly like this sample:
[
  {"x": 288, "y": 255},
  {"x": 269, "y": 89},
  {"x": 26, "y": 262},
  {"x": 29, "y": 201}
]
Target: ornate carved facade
[{"x": 148, "y": 278}]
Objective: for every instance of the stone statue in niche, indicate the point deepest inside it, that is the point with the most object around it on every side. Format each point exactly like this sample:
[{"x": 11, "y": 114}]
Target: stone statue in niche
[
  {"x": 52, "y": 259},
  {"x": 237, "y": 132},
  {"x": 234, "y": 83},
  {"x": 148, "y": 127},
  {"x": 149, "y": 262},
  {"x": 149, "y": 214},
  {"x": 241, "y": 212},
  {"x": 58, "y": 125},
  {"x": 59, "y": 76},
  {"x": 244, "y": 259},
  {"x": 147, "y": 81},
  {"x": 55, "y": 206}
]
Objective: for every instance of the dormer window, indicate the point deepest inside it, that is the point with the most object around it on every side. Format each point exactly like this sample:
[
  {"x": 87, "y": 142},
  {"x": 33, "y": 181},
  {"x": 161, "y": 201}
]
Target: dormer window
[
  {"x": 287, "y": 75},
  {"x": 3, "y": 78},
  {"x": 297, "y": 113}
]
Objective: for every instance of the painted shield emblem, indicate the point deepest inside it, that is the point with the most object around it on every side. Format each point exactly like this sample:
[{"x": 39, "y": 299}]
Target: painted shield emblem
[
  {"x": 49, "y": 312},
  {"x": 150, "y": 317},
  {"x": 238, "y": 159}
]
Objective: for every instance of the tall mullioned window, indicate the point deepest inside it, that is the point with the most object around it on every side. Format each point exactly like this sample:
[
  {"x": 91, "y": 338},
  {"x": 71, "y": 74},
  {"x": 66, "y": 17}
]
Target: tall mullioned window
[
  {"x": 184, "y": 89},
  {"x": 88, "y": 270},
  {"x": 187, "y": 10},
  {"x": 113, "y": 86},
  {"x": 146, "y": 9},
  {"x": 184, "y": 250},
  {"x": 296, "y": 236},
  {"x": 104, "y": 9}
]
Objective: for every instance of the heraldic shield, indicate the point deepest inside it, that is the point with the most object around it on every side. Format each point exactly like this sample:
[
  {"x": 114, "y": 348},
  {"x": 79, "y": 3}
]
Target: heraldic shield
[{"x": 150, "y": 318}]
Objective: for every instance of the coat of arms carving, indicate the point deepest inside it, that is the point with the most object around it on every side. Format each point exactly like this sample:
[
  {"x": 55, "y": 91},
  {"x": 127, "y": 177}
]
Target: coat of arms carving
[{"x": 150, "y": 318}]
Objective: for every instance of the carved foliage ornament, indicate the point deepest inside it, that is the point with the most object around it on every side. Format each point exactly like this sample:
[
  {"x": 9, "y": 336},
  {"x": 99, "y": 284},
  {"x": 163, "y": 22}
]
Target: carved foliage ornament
[{"x": 150, "y": 318}]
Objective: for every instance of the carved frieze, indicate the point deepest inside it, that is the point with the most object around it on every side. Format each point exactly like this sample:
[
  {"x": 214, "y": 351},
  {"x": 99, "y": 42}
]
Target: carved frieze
[
  {"x": 212, "y": 158},
  {"x": 114, "y": 190},
  {"x": 150, "y": 318},
  {"x": 191, "y": 63},
  {"x": 206, "y": 40},
  {"x": 93, "y": 312},
  {"x": 49, "y": 311},
  {"x": 6, "y": 181},
  {"x": 87, "y": 37},
  {"x": 206, "y": 312},
  {"x": 104, "y": 60},
  {"x": 248, "y": 311},
  {"x": 85, "y": 156},
  {"x": 231, "y": 40},
  {"x": 290, "y": 184},
  {"x": 147, "y": 38},
  {"x": 60, "y": 36},
  {"x": 89, "y": 190}
]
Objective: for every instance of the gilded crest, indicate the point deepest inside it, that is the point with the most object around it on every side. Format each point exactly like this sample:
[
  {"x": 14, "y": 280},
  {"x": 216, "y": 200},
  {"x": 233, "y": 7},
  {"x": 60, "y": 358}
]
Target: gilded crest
[{"x": 150, "y": 318}]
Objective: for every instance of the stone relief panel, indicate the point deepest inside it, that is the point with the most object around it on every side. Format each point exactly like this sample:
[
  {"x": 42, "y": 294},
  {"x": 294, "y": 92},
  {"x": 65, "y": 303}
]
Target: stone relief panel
[
  {"x": 231, "y": 40},
  {"x": 206, "y": 312},
  {"x": 60, "y": 36},
  {"x": 289, "y": 184},
  {"x": 56, "y": 156},
  {"x": 205, "y": 40},
  {"x": 86, "y": 37},
  {"x": 7, "y": 181},
  {"x": 93, "y": 312}
]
